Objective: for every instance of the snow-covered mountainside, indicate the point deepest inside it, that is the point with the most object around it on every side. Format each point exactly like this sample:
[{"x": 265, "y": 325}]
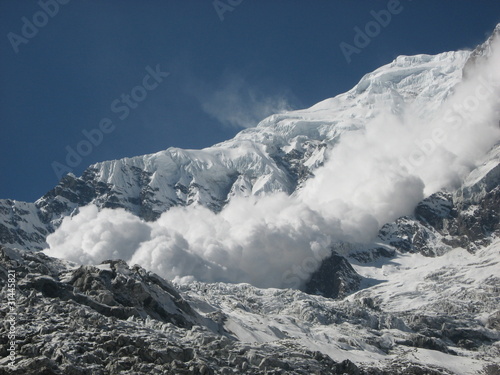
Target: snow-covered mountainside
[
  {"x": 278, "y": 155},
  {"x": 420, "y": 316},
  {"x": 399, "y": 178}
]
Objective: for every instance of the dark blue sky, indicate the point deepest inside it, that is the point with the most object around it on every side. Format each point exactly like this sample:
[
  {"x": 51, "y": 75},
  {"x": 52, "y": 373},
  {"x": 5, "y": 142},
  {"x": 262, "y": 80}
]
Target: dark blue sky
[{"x": 223, "y": 74}]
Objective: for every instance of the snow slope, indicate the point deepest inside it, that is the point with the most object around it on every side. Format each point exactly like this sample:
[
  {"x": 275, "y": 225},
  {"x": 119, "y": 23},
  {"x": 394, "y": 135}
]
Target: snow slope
[
  {"x": 278, "y": 155},
  {"x": 420, "y": 297}
]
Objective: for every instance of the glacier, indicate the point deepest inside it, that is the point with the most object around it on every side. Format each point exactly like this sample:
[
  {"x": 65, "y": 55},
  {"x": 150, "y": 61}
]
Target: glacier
[{"x": 391, "y": 259}]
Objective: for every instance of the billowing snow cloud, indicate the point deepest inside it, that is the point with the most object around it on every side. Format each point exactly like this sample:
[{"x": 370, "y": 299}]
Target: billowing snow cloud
[
  {"x": 255, "y": 240},
  {"x": 92, "y": 235},
  {"x": 237, "y": 103},
  {"x": 373, "y": 176}
]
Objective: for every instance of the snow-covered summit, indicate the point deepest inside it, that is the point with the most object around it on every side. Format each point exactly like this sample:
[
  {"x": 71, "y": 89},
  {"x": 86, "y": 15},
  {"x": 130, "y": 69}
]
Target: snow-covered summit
[
  {"x": 277, "y": 155},
  {"x": 421, "y": 297}
]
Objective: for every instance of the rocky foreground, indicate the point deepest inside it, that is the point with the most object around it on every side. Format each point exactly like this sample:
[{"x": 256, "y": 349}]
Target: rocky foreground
[
  {"x": 422, "y": 298},
  {"x": 116, "y": 319}
]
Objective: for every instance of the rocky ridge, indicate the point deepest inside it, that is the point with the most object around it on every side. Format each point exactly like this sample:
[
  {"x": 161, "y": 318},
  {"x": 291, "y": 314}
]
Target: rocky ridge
[
  {"x": 422, "y": 299},
  {"x": 278, "y": 155},
  {"x": 116, "y": 319}
]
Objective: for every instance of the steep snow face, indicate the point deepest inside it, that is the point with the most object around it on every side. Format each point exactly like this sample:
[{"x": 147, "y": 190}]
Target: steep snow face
[
  {"x": 454, "y": 283},
  {"x": 21, "y": 225},
  {"x": 422, "y": 79},
  {"x": 272, "y": 239},
  {"x": 266, "y": 204},
  {"x": 277, "y": 155},
  {"x": 483, "y": 179}
]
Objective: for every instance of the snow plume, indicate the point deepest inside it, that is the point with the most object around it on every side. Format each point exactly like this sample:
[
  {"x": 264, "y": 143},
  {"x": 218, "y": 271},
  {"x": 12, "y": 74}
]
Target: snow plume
[
  {"x": 372, "y": 176},
  {"x": 381, "y": 172},
  {"x": 253, "y": 240},
  {"x": 236, "y": 103}
]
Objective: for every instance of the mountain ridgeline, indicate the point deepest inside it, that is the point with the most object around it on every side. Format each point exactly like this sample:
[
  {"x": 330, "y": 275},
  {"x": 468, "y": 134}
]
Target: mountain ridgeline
[{"x": 409, "y": 284}]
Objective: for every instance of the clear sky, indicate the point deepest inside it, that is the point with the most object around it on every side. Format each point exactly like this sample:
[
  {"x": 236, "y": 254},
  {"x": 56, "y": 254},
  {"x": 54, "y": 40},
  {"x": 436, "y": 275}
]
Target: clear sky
[{"x": 73, "y": 70}]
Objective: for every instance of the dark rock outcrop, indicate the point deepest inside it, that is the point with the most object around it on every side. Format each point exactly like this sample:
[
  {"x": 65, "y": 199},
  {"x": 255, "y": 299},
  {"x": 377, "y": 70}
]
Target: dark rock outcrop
[{"x": 335, "y": 278}]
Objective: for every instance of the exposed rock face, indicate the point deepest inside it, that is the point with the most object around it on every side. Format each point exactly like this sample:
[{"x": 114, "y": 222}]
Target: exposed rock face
[
  {"x": 468, "y": 218},
  {"x": 22, "y": 226},
  {"x": 481, "y": 52},
  {"x": 407, "y": 234},
  {"x": 335, "y": 278},
  {"x": 116, "y": 319},
  {"x": 278, "y": 155},
  {"x": 150, "y": 185},
  {"x": 111, "y": 289},
  {"x": 412, "y": 302}
]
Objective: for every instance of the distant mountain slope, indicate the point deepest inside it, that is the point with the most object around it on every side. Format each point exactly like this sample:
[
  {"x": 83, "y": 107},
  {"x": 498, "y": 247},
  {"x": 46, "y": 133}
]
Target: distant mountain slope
[
  {"x": 276, "y": 156},
  {"x": 421, "y": 296}
]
